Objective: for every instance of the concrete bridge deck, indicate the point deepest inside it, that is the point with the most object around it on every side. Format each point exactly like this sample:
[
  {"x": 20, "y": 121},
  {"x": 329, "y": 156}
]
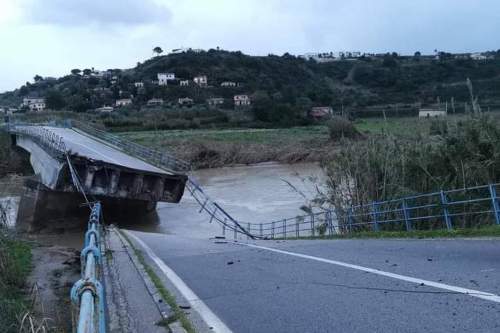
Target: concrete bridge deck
[{"x": 88, "y": 147}]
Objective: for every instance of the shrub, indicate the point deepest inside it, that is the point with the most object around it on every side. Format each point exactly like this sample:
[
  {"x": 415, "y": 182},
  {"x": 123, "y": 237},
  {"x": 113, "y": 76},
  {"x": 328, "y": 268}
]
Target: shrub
[{"x": 340, "y": 127}]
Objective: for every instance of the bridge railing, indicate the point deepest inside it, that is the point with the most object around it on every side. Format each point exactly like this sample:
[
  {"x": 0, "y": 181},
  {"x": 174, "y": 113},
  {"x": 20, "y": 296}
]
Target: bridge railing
[
  {"x": 42, "y": 136},
  {"x": 162, "y": 160},
  {"x": 467, "y": 207},
  {"x": 87, "y": 295}
]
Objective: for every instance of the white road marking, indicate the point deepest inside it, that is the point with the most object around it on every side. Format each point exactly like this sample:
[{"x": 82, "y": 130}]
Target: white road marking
[
  {"x": 208, "y": 316},
  {"x": 469, "y": 292}
]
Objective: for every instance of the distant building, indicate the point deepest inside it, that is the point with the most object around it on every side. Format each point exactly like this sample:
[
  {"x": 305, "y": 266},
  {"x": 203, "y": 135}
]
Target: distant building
[
  {"x": 228, "y": 84},
  {"x": 123, "y": 102},
  {"x": 184, "y": 83},
  {"x": 31, "y": 100},
  {"x": 241, "y": 100},
  {"x": 38, "y": 106},
  {"x": 478, "y": 56},
  {"x": 163, "y": 78},
  {"x": 201, "y": 80},
  {"x": 215, "y": 101},
  {"x": 155, "y": 102},
  {"x": 105, "y": 109},
  {"x": 186, "y": 49},
  {"x": 101, "y": 89},
  {"x": 429, "y": 113},
  {"x": 49, "y": 78},
  {"x": 321, "y": 113},
  {"x": 186, "y": 101},
  {"x": 138, "y": 84}
]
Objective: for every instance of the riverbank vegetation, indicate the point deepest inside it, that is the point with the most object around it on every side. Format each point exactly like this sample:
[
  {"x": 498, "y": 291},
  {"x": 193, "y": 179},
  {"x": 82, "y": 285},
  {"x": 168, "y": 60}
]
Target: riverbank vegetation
[
  {"x": 15, "y": 267},
  {"x": 446, "y": 153},
  {"x": 215, "y": 148}
]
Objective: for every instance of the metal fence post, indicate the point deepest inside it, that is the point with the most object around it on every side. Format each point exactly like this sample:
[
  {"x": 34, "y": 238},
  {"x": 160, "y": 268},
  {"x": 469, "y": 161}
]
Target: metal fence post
[
  {"x": 272, "y": 229},
  {"x": 249, "y": 231},
  {"x": 406, "y": 214},
  {"x": 375, "y": 219},
  {"x": 261, "y": 231},
  {"x": 350, "y": 218},
  {"x": 330, "y": 222},
  {"x": 297, "y": 230},
  {"x": 494, "y": 200},
  {"x": 311, "y": 216},
  {"x": 235, "y": 230},
  {"x": 284, "y": 228},
  {"x": 224, "y": 227},
  {"x": 447, "y": 218}
]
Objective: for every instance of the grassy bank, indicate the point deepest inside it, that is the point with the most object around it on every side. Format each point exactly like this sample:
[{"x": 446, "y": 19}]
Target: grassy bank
[
  {"x": 215, "y": 148},
  {"x": 492, "y": 231},
  {"x": 15, "y": 266}
]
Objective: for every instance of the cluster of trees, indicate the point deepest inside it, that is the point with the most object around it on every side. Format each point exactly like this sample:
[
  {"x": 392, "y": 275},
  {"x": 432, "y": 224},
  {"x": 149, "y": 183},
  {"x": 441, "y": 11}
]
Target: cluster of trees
[{"x": 281, "y": 87}]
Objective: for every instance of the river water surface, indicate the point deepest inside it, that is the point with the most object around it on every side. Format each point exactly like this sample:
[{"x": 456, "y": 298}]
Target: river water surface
[{"x": 259, "y": 193}]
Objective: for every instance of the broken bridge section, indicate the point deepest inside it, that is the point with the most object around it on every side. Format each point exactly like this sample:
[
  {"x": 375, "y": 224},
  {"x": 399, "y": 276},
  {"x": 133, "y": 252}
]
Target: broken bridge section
[{"x": 105, "y": 171}]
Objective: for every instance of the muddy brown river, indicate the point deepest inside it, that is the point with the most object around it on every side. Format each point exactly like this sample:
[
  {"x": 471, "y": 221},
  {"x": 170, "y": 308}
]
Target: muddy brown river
[{"x": 259, "y": 193}]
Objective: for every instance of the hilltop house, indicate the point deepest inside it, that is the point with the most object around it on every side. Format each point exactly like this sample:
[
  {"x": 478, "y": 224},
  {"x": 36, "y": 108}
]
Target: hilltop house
[
  {"x": 123, "y": 102},
  {"x": 184, "y": 83},
  {"x": 155, "y": 102},
  {"x": 163, "y": 78},
  {"x": 241, "y": 101},
  {"x": 31, "y": 100},
  {"x": 228, "y": 84},
  {"x": 321, "y": 113},
  {"x": 138, "y": 84},
  {"x": 201, "y": 80},
  {"x": 37, "y": 106},
  {"x": 186, "y": 101},
  {"x": 215, "y": 101}
]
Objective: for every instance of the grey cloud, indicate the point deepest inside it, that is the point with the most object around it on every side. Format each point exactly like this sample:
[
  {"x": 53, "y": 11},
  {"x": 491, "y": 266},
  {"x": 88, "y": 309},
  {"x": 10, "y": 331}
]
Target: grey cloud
[{"x": 101, "y": 12}]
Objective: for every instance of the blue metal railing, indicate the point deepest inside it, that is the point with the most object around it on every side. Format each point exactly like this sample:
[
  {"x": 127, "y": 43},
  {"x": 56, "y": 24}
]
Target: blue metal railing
[
  {"x": 467, "y": 207},
  {"x": 87, "y": 295}
]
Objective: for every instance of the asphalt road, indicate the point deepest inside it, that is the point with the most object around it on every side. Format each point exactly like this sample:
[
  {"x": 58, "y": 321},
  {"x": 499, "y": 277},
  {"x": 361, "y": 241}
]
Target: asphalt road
[
  {"x": 86, "y": 146},
  {"x": 335, "y": 286}
]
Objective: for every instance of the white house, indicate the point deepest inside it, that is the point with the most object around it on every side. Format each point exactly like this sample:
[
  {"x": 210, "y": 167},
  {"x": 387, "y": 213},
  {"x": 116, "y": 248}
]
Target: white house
[
  {"x": 228, "y": 84},
  {"x": 428, "y": 113},
  {"x": 138, "y": 84},
  {"x": 215, "y": 101},
  {"x": 241, "y": 100},
  {"x": 38, "y": 106},
  {"x": 123, "y": 102},
  {"x": 478, "y": 56},
  {"x": 201, "y": 80},
  {"x": 31, "y": 100},
  {"x": 163, "y": 78},
  {"x": 184, "y": 83}
]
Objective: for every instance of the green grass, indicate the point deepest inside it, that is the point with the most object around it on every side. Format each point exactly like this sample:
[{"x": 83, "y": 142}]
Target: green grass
[
  {"x": 408, "y": 126},
  {"x": 214, "y": 148},
  {"x": 492, "y": 231},
  {"x": 15, "y": 266},
  {"x": 179, "y": 314}
]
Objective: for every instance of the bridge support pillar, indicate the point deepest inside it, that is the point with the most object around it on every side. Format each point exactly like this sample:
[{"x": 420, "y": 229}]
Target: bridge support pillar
[{"x": 43, "y": 208}]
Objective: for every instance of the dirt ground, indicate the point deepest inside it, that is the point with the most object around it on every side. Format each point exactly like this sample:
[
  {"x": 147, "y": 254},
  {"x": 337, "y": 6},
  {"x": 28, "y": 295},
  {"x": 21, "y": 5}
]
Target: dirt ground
[{"x": 56, "y": 269}]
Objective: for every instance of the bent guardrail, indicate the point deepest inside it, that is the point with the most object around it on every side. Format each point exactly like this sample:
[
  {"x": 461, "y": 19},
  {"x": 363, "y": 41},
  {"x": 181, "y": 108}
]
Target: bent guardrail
[{"x": 87, "y": 295}]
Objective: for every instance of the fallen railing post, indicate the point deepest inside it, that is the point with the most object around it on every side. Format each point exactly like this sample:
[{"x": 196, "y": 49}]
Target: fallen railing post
[{"x": 447, "y": 218}]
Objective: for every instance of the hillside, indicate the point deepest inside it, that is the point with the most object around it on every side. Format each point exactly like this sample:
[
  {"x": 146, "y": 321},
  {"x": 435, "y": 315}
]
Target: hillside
[{"x": 280, "y": 87}]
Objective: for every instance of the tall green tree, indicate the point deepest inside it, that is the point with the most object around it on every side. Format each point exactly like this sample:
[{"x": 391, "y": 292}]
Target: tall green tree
[
  {"x": 158, "y": 50},
  {"x": 75, "y": 71},
  {"x": 54, "y": 99}
]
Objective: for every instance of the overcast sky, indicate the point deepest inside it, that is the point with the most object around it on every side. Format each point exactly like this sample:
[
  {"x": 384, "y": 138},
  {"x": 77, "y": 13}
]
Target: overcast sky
[{"x": 51, "y": 37}]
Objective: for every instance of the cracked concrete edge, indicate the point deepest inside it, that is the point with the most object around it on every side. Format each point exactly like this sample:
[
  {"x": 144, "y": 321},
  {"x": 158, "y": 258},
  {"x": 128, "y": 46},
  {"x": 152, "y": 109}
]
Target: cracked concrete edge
[{"x": 165, "y": 309}]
